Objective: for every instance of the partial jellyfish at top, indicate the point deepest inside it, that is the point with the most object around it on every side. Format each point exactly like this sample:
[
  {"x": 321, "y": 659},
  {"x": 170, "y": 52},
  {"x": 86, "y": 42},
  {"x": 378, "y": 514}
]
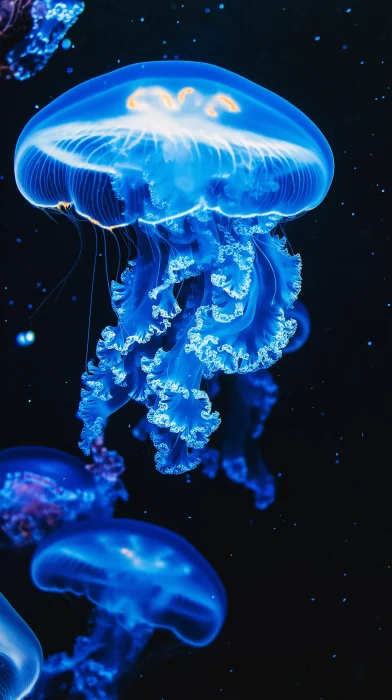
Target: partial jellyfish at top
[
  {"x": 30, "y": 33},
  {"x": 41, "y": 488},
  {"x": 20, "y": 654},
  {"x": 202, "y": 165},
  {"x": 140, "y": 577}
]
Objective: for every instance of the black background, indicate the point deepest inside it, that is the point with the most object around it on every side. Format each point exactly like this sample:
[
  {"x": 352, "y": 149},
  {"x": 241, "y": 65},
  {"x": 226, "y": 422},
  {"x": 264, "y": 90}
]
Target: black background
[{"x": 328, "y": 536}]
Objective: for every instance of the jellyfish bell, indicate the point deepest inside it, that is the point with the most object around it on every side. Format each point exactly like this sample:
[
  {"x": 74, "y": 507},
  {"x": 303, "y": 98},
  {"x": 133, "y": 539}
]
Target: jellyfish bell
[
  {"x": 138, "y": 573},
  {"x": 67, "y": 470},
  {"x": 159, "y": 140},
  {"x": 41, "y": 488},
  {"x": 203, "y": 164},
  {"x": 20, "y": 654},
  {"x": 140, "y": 577}
]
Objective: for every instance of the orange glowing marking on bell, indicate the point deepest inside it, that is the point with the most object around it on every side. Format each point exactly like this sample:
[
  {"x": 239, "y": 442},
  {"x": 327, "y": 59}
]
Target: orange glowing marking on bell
[
  {"x": 228, "y": 102},
  {"x": 165, "y": 97},
  {"x": 67, "y": 205},
  {"x": 98, "y": 223},
  {"x": 94, "y": 221},
  {"x": 131, "y": 104},
  {"x": 183, "y": 93},
  {"x": 211, "y": 112},
  {"x": 224, "y": 100}
]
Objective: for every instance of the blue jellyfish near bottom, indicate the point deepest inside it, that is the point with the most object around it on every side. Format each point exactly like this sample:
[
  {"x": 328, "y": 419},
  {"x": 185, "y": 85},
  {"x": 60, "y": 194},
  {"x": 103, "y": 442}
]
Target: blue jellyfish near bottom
[
  {"x": 140, "y": 577},
  {"x": 20, "y": 654},
  {"x": 198, "y": 166}
]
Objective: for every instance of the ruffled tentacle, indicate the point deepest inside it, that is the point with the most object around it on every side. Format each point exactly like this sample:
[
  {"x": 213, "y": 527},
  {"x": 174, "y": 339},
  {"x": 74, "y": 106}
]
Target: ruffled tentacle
[
  {"x": 244, "y": 328},
  {"x": 145, "y": 306}
]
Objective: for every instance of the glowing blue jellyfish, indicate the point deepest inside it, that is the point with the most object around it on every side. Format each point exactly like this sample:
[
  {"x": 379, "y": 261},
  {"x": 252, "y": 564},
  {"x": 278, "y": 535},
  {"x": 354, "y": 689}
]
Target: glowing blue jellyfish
[
  {"x": 41, "y": 488},
  {"x": 20, "y": 654},
  {"x": 202, "y": 164},
  {"x": 140, "y": 577},
  {"x": 50, "y": 20}
]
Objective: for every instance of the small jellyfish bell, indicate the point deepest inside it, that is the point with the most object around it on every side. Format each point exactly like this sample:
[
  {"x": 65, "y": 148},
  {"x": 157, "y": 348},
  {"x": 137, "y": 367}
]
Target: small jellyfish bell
[
  {"x": 20, "y": 654},
  {"x": 203, "y": 164},
  {"x": 41, "y": 488},
  {"x": 140, "y": 577},
  {"x": 68, "y": 471}
]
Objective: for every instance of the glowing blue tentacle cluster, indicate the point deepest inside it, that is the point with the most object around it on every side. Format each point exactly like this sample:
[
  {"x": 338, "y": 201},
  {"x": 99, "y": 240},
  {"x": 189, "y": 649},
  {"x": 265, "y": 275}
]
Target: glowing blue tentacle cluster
[
  {"x": 230, "y": 319},
  {"x": 243, "y": 327},
  {"x": 51, "y": 21},
  {"x": 145, "y": 312},
  {"x": 250, "y": 406},
  {"x": 97, "y": 663},
  {"x": 252, "y": 398}
]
